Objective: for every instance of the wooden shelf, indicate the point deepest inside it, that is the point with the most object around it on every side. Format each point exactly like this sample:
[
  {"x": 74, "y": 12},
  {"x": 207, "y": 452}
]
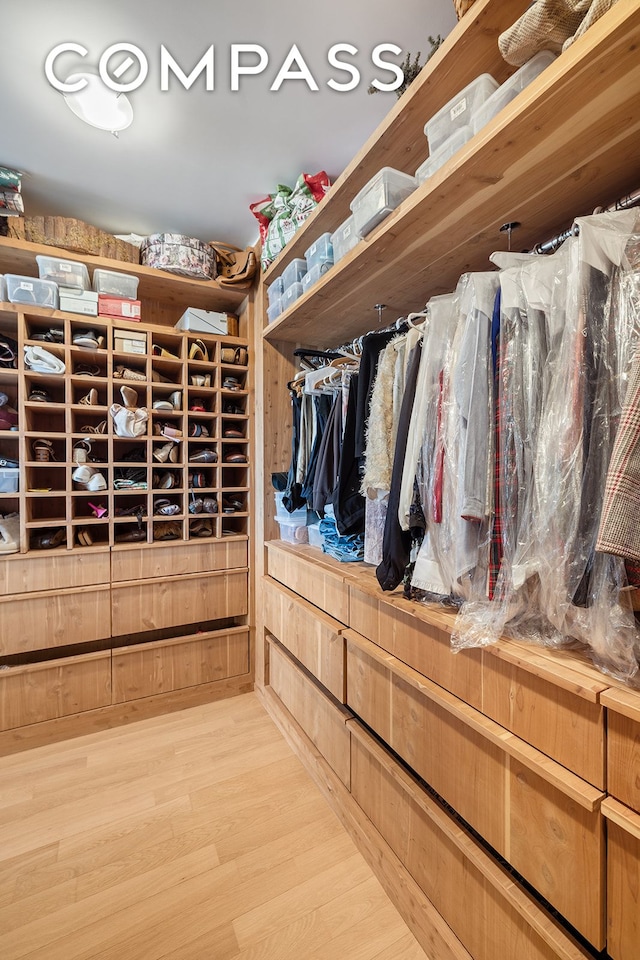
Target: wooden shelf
[
  {"x": 18, "y": 256},
  {"x": 585, "y": 110}
]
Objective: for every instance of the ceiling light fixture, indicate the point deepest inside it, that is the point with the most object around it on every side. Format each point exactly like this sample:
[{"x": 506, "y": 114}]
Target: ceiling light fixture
[{"x": 99, "y": 106}]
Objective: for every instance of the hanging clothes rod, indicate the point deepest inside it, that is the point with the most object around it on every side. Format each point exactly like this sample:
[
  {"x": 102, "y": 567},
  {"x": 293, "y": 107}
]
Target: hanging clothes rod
[{"x": 624, "y": 203}]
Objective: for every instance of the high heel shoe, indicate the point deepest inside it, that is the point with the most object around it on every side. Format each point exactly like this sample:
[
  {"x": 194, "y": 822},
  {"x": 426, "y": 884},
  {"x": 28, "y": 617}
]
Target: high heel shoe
[
  {"x": 129, "y": 396},
  {"x": 90, "y": 399},
  {"x": 175, "y": 399},
  {"x": 43, "y": 451},
  {"x": 198, "y": 351},
  {"x": 167, "y": 452}
]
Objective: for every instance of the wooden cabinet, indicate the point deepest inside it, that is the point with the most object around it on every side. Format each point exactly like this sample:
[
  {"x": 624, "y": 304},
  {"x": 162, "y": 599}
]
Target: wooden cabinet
[{"x": 484, "y": 774}]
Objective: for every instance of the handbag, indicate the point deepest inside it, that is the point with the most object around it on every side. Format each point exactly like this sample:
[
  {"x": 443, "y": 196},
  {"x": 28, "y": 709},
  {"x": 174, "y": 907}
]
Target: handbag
[
  {"x": 127, "y": 421},
  {"x": 235, "y": 267},
  {"x": 8, "y": 353}
]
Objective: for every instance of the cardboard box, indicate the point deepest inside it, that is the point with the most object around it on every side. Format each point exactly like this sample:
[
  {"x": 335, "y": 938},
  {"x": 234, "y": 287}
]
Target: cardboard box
[
  {"x": 118, "y": 307},
  {"x": 207, "y": 321},
  {"x": 130, "y": 341}
]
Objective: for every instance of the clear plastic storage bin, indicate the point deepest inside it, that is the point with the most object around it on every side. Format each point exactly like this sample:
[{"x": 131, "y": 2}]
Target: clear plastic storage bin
[
  {"x": 274, "y": 310},
  {"x": 320, "y": 252},
  {"x": 293, "y": 531},
  {"x": 446, "y": 151},
  {"x": 275, "y": 290},
  {"x": 293, "y": 273},
  {"x": 315, "y": 537},
  {"x": 283, "y": 514},
  {"x": 41, "y": 293},
  {"x": 3, "y": 288},
  {"x": 344, "y": 239},
  {"x": 510, "y": 89},
  {"x": 9, "y": 480},
  {"x": 66, "y": 273},
  {"x": 382, "y": 194},
  {"x": 314, "y": 274},
  {"x": 291, "y": 294},
  {"x": 115, "y": 284},
  {"x": 459, "y": 111}
]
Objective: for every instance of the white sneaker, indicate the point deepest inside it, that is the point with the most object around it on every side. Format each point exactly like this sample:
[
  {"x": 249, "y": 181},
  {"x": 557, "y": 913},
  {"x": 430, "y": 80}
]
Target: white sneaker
[{"x": 97, "y": 482}]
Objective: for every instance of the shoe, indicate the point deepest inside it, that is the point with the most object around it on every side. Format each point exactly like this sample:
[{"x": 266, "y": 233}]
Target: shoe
[
  {"x": 232, "y": 409},
  {"x": 235, "y": 457},
  {"x": 166, "y": 508},
  {"x": 39, "y": 396},
  {"x": 197, "y": 380},
  {"x": 198, "y": 430},
  {"x": 232, "y": 505},
  {"x": 237, "y": 355},
  {"x": 195, "y": 504},
  {"x": 88, "y": 338},
  {"x": 90, "y": 399},
  {"x": 176, "y": 399},
  {"x": 43, "y": 451},
  {"x": 231, "y": 383},
  {"x": 164, "y": 481},
  {"x": 82, "y": 474},
  {"x": 210, "y": 505},
  {"x": 49, "y": 539},
  {"x": 84, "y": 538},
  {"x": 165, "y": 405},
  {"x": 198, "y": 351},
  {"x": 232, "y": 433},
  {"x": 201, "y": 528},
  {"x": 97, "y": 482},
  {"x": 197, "y": 405},
  {"x": 167, "y": 452},
  {"x": 81, "y": 451},
  {"x": 131, "y": 535},
  {"x": 159, "y": 377},
  {"x": 204, "y": 456},
  {"x": 164, "y": 429},
  {"x": 198, "y": 480},
  {"x": 52, "y": 335},
  {"x": 99, "y": 428},
  {"x": 86, "y": 370},
  {"x": 10, "y": 533},
  {"x": 170, "y": 530},
  {"x": 129, "y": 396},
  {"x": 126, "y": 373},
  {"x": 159, "y": 351}
]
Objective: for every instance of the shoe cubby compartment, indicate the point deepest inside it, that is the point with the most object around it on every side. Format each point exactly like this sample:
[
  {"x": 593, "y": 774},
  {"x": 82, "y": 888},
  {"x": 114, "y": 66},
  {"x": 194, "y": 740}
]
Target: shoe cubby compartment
[
  {"x": 201, "y": 526},
  {"x": 233, "y": 526},
  {"x": 130, "y": 451},
  {"x": 44, "y": 421},
  {"x": 89, "y": 421},
  {"x": 234, "y": 430},
  {"x": 43, "y": 331},
  {"x": 167, "y": 451},
  {"x": 166, "y": 424},
  {"x": 168, "y": 528},
  {"x": 202, "y": 479},
  {"x": 90, "y": 448},
  {"x": 234, "y": 407},
  {"x": 45, "y": 449},
  {"x": 234, "y": 502},
  {"x": 166, "y": 373},
  {"x": 49, "y": 507},
  {"x": 83, "y": 504},
  {"x": 202, "y": 427},
  {"x": 93, "y": 534},
  {"x": 46, "y": 479},
  {"x": 169, "y": 478},
  {"x": 201, "y": 400},
  {"x": 168, "y": 393},
  {"x": 87, "y": 363},
  {"x": 168, "y": 500},
  {"x": 165, "y": 347},
  {"x": 126, "y": 533},
  {"x": 44, "y": 391},
  {"x": 202, "y": 452},
  {"x": 235, "y": 447},
  {"x": 8, "y": 449},
  {"x": 89, "y": 392},
  {"x": 129, "y": 368},
  {"x": 234, "y": 477}
]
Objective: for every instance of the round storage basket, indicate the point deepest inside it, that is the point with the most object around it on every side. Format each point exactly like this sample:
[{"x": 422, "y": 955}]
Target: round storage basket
[{"x": 176, "y": 253}]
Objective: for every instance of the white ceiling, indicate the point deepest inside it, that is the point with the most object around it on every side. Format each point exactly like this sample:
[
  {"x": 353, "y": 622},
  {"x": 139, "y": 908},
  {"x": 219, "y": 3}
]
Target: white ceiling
[{"x": 193, "y": 160}]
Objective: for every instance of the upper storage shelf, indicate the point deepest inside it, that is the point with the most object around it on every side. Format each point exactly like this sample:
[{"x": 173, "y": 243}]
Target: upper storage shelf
[
  {"x": 19, "y": 256},
  {"x": 566, "y": 144}
]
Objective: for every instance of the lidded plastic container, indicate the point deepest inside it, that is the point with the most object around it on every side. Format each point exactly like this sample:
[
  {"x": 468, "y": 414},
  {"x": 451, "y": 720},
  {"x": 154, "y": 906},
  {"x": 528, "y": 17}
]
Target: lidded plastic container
[
  {"x": 291, "y": 294},
  {"x": 344, "y": 239},
  {"x": 275, "y": 290},
  {"x": 299, "y": 515},
  {"x": 459, "y": 111},
  {"x": 294, "y": 272},
  {"x": 313, "y": 275},
  {"x": 293, "y": 531},
  {"x": 274, "y": 309},
  {"x": 41, "y": 293},
  {"x": 446, "y": 151},
  {"x": 66, "y": 273},
  {"x": 379, "y": 197},
  {"x": 510, "y": 89},
  {"x": 3, "y": 288},
  {"x": 116, "y": 284},
  {"x": 320, "y": 252}
]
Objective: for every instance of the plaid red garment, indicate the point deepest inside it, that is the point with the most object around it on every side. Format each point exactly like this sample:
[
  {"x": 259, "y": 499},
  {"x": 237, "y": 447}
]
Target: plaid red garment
[{"x": 619, "y": 532}]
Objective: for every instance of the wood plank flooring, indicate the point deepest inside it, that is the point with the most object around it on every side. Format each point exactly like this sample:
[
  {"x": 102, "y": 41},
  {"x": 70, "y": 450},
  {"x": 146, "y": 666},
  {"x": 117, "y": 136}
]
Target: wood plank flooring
[{"x": 193, "y": 836}]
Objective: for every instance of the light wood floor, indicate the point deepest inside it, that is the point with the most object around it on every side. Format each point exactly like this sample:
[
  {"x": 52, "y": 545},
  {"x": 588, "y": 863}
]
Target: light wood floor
[{"x": 194, "y": 836}]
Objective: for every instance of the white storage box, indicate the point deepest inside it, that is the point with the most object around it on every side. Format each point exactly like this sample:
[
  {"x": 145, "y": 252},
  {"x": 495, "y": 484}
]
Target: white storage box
[
  {"x": 300, "y": 516},
  {"x": 382, "y": 194},
  {"x": 10, "y": 480},
  {"x": 294, "y": 531},
  {"x": 73, "y": 300},
  {"x": 275, "y": 291},
  {"x": 293, "y": 273},
  {"x": 66, "y": 273},
  {"x": 313, "y": 275},
  {"x": 42, "y": 293},
  {"x": 510, "y": 89},
  {"x": 207, "y": 321},
  {"x": 115, "y": 284},
  {"x": 459, "y": 111},
  {"x": 291, "y": 294},
  {"x": 274, "y": 310},
  {"x": 446, "y": 151},
  {"x": 320, "y": 252},
  {"x": 344, "y": 239}
]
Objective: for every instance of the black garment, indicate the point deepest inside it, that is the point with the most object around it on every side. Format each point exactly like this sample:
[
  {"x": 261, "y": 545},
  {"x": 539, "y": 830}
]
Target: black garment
[
  {"x": 322, "y": 406},
  {"x": 328, "y": 459},
  {"x": 372, "y": 346},
  {"x": 348, "y": 502},
  {"x": 292, "y": 499},
  {"x": 396, "y": 543}
]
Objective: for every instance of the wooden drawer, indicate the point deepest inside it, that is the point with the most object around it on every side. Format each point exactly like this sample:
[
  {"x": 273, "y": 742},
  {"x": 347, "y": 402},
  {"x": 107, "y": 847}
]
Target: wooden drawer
[
  {"x": 320, "y": 585},
  {"x": 35, "y": 692},
  {"x": 491, "y": 914},
  {"x": 623, "y": 880},
  {"x": 424, "y": 646},
  {"x": 145, "y": 669},
  {"x": 176, "y": 560},
  {"x": 541, "y": 818},
  {"x": 623, "y": 745},
  {"x": 322, "y": 720},
  {"x": 39, "y": 621},
  {"x": 42, "y": 571},
  {"x": 313, "y": 638},
  {"x": 155, "y": 604}
]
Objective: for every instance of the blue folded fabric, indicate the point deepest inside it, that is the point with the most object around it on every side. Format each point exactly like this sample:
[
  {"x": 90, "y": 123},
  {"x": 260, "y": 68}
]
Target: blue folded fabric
[{"x": 346, "y": 549}]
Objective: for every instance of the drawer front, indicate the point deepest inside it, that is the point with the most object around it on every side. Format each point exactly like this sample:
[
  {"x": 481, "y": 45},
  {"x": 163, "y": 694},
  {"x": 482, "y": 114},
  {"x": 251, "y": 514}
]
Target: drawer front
[
  {"x": 146, "y": 669},
  {"x": 24, "y": 574},
  {"x": 558, "y": 722},
  {"x": 320, "y": 587},
  {"x": 153, "y": 605},
  {"x": 553, "y": 841},
  {"x": 623, "y": 749},
  {"x": 421, "y": 645},
  {"x": 321, "y": 719},
  {"x": 487, "y": 910},
  {"x": 314, "y": 638},
  {"x": 44, "y": 620},
  {"x": 177, "y": 560},
  {"x": 37, "y": 692},
  {"x": 623, "y": 881}
]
